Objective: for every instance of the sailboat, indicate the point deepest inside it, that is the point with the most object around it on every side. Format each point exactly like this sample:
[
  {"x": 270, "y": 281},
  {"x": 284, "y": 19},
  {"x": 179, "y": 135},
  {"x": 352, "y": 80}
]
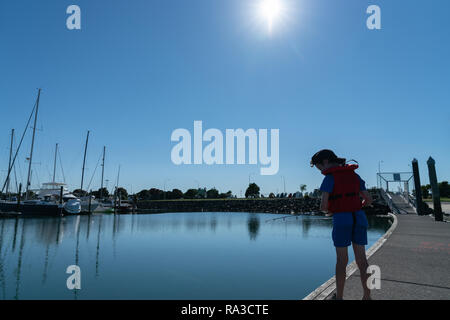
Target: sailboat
[
  {"x": 52, "y": 191},
  {"x": 47, "y": 203},
  {"x": 88, "y": 203}
]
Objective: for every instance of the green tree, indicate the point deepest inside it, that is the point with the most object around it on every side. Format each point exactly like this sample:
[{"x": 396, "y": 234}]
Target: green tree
[
  {"x": 212, "y": 193},
  {"x": 79, "y": 193},
  {"x": 303, "y": 188},
  {"x": 123, "y": 193},
  {"x": 190, "y": 194},
  {"x": 444, "y": 189},
  {"x": 252, "y": 191},
  {"x": 156, "y": 194},
  {"x": 227, "y": 195},
  {"x": 426, "y": 191},
  {"x": 177, "y": 194},
  {"x": 104, "y": 193},
  {"x": 144, "y": 195}
]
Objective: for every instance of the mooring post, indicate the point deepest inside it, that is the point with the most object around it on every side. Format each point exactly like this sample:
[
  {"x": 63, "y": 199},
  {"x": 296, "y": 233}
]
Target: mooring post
[
  {"x": 18, "y": 197},
  {"x": 61, "y": 195},
  {"x": 435, "y": 189},
  {"x": 61, "y": 200},
  {"x": 417, "y": 187}
]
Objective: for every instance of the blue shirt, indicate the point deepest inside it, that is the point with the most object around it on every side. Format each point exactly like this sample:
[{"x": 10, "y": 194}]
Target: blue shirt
[{"x": 328, "y": 184}]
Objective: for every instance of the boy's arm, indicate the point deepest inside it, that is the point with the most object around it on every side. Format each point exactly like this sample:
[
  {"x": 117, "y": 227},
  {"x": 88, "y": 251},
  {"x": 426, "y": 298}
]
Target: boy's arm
[
  {"x": 367, "y": 198},
  {"x": 324, "y": 202}
]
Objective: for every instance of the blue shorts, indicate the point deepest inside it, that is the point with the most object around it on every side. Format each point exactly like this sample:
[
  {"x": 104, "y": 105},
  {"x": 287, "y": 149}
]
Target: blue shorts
[{"x": 349, "y": 227}]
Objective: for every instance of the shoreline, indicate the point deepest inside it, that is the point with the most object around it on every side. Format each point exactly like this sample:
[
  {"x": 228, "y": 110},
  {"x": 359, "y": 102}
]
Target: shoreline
[{"x": 265, "y": 205}]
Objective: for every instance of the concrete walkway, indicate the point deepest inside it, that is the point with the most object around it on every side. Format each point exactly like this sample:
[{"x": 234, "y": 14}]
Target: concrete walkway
[{"x": 414, "y": 261}]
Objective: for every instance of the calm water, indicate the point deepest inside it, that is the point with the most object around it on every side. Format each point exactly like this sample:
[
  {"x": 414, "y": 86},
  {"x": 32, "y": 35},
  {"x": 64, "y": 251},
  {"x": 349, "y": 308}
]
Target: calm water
[{"x": 169, "y": 256}]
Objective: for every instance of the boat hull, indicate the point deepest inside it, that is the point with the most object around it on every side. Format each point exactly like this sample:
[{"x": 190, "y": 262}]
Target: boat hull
[{"x": 26, "y": 209}]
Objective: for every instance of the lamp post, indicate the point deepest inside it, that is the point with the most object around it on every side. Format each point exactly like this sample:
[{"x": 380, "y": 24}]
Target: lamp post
[{"x": 379, "y": 171}]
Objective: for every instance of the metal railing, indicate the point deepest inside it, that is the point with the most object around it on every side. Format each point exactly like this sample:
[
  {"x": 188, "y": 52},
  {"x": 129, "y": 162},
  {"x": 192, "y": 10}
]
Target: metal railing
[{"x": 394, "y": 208}]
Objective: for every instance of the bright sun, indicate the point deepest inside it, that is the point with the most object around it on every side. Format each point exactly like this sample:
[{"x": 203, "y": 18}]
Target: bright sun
[{"x": 271, "y": 11}]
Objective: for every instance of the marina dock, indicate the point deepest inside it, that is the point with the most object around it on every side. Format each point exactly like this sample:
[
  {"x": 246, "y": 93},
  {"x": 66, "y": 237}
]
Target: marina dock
[{"x": 413, "y": 260}]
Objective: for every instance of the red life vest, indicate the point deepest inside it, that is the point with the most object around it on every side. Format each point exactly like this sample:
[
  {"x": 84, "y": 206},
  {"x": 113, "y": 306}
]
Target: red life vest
[{"x": 345, "y": 195}]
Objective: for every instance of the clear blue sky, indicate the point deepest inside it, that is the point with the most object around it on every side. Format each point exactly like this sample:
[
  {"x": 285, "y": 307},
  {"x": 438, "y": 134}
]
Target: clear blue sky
[{"x": 140, "y": 69}]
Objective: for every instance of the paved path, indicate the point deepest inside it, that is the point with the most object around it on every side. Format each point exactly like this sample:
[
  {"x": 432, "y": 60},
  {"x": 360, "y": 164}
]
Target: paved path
[{"x": 414, "y": 263}]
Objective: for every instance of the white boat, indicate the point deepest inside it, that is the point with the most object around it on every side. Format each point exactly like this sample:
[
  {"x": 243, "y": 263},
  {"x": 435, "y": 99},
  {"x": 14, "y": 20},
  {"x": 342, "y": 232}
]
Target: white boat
[
  {"x": 51, "y": 191},
  {"x": 95, "y": 205}
]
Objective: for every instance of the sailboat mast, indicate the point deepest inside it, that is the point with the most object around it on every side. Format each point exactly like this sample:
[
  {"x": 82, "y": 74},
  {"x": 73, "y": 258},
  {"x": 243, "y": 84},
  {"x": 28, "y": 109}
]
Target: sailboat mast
[
  {"x": 84, "y": 160},
  {"x": 103, "y": 171},
  {"x": 118, "y": 175},
  {"x": 9, "y": 163},
  {"x": 32, "y": 144},
  {"x": 54, "y": 164}
]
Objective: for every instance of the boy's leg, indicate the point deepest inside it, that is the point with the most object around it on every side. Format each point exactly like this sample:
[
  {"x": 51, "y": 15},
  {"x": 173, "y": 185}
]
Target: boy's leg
[
  {"x": 341, "y": 265},
  {"x": 361, "y": 261}
]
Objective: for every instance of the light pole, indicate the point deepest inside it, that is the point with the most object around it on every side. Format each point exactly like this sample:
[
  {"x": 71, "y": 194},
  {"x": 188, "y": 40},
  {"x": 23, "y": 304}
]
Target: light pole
[
  {"x": 284, "y": 183},
  {"x": 379, "y": 171},
  {"x": 379, "y": 165}
]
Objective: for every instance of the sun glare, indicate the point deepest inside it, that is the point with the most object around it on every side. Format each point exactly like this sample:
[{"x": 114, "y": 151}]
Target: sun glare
[{"x": 271, "y": 11}]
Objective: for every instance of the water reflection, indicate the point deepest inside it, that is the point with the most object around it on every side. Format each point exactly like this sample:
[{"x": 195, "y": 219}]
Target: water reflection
[
  {"x": 166, "y": 256},
  {"x": 253, "y": 226}
]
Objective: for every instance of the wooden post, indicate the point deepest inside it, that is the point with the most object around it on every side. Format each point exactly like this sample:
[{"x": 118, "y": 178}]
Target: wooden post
[
  {"x": 61, "y": 200},
  {"x": 435, "y": 190},
  {"x": 18, "y": 197},
  {"x": 417, "y": 187},
  {"x": 61, "y": 195}
]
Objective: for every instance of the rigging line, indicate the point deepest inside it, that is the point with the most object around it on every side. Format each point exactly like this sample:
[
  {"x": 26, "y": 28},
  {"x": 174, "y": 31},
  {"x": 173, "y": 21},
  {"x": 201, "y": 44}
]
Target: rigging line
[
  {"x": 284, "y": 217},
  {"x": 60, "y": 164},
  {"x": 37, "y": 176},
  {"x": 48, "y": 171},
  {"x": 20, "y": 168},
  {"x": 15, "y": 174},
  {"x": 297, "y": 215},
  {"x": 93, "y": 174},
  {"x": 21, "y": 140},
  {"x": 20, "y": 173},
  {"x": 15, "y": 179}
]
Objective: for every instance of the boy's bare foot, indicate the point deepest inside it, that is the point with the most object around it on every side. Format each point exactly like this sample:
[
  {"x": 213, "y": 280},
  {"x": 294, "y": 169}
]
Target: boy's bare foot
[
  {"x": 366, "y": 297},
  {"x": 334, "y": 297}
]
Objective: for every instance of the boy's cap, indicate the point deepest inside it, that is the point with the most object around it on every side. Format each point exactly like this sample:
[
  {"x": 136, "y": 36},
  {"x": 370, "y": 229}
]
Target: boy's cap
[{"x": 324, "y": 154}]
